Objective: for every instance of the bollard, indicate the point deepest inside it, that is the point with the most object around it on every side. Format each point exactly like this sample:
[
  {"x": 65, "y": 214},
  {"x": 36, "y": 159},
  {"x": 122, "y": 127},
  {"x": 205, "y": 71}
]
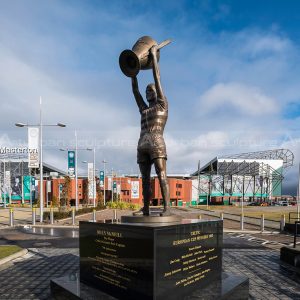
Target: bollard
[
  {"x": 199, "y": 217},
  {"x": 242, "y": 221},
  {"x": 73, "y": 216},
  {"x": 262, "y": 222},
  {"x": 94, "y": 215},
  {"x": 115, "y": 214},
  {"x": 282, "y": 223},
  {"x": 51, "y": 216},
  {"x": 33, "y": 216},
  {"x": 222, "y": 216},
  {"x": 11, "y": 217}
]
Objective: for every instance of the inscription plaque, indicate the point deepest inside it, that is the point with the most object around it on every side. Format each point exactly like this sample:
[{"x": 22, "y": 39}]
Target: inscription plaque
[{"x": 159, "y": 261}]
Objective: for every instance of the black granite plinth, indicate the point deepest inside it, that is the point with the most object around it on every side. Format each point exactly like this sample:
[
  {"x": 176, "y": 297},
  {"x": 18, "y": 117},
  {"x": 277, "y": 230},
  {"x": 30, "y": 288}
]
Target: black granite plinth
[
  {"x": 151, "y": 261},
  {"x": 230, "y": 287}
]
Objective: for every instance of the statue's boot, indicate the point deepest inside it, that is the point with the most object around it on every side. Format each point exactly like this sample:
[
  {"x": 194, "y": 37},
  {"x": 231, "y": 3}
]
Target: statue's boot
[
  {"x": 166, "y": 212},
  {"x": 138, "y": 212},
  {"x": 146, "y": 211}
]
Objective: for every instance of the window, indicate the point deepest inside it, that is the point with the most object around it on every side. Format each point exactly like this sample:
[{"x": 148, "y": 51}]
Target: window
[{"x": 178, "y": 185}]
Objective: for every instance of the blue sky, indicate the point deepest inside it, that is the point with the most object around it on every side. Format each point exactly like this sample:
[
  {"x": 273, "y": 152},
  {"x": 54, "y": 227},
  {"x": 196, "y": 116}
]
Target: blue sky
[{"x": 231, "y": 76}]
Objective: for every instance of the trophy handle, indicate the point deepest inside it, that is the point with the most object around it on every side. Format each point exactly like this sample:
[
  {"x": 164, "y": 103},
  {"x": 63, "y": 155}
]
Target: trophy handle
[
  {"x": 164, "y": 43},
  {"x": 159, "y": 46}
]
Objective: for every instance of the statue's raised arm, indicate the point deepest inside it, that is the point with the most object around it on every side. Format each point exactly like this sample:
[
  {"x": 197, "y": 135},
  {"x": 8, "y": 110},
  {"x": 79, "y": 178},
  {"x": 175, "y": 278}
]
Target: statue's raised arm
[
  {"x": 137, "y": 95},
  {"x": 161, "y": 99}
]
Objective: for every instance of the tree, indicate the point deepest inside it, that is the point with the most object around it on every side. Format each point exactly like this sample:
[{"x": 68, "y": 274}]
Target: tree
[
  {"x": 66, "y": 191},
  {"x": 54, "y": 201},
  {"x": 85, "y": 187}
]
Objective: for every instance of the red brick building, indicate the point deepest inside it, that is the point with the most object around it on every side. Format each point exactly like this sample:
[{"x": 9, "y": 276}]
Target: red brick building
[{"x": 128, "y": 189}]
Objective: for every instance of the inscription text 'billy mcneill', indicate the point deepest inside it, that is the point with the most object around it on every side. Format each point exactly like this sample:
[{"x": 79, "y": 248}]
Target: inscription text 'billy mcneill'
[{"x": 109, "y": 233}]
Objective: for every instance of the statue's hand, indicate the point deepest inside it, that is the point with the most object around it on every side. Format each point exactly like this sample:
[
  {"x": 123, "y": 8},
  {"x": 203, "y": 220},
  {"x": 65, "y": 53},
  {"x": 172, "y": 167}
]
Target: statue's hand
[{"x": 153, "y": 50}]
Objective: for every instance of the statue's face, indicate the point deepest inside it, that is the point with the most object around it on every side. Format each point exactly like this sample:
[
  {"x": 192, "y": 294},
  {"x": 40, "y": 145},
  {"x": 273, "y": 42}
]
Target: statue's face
[{"x": 151, "y": 93}]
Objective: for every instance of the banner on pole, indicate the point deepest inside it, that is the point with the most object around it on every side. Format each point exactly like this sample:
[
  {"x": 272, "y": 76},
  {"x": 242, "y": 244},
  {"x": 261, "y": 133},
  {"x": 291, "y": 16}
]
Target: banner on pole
[
  {"x": 33, "y": 147},
  {"x": 135, "y": 189},
  {"x": 91, "y": 186},
  {"x": 16, "y": 188},
  {"x": 109, "y": 183},
  {"x": 7, "y": 183},
  {"x": 71, "y": 163},
  {"x": 26, "y": 187},
  {"x": 102, "y": 179},
  {"x": 48, "y": 187}
]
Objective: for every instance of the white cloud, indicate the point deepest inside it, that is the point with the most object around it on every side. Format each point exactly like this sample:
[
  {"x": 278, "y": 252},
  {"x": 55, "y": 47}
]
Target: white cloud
[
  {"x": 245, "y": 99},
  {"x": 184, "y": 151},
  {"x": 256, "y": 43}
]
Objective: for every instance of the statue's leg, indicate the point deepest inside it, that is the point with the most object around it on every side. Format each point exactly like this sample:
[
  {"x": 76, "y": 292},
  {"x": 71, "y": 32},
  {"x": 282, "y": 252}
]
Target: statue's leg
[
  {"x": 145, "y": 168},
  {"x": 161, "y": 171}
]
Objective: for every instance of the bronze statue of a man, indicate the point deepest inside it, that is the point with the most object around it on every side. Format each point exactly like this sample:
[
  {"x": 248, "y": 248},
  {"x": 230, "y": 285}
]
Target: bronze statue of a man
[{"x": 151, "y": 146}]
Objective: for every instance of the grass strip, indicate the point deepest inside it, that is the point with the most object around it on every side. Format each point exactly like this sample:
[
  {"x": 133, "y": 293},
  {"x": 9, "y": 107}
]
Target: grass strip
[{"x": 6, "y": 250}]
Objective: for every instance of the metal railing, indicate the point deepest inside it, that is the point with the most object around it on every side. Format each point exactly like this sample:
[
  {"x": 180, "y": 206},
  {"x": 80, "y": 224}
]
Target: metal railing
[
  {"x": 294, "y": 216},
  {"x": 260, "y": 221}
]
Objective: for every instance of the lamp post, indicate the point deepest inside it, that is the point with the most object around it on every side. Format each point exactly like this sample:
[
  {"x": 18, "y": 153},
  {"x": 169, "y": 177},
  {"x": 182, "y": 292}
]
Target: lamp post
[
  {"x": 298, "y": 192},
  {"x": 76, "y": 173},
  {"x": 76, "y": 167},
  {"x": 5, "y": 185},
  {"x": 112, "y": 185},
  {"x": 94, "y": 181},
  {"x": 104, "y": 171},
  {"x": 41, "y": 125}
]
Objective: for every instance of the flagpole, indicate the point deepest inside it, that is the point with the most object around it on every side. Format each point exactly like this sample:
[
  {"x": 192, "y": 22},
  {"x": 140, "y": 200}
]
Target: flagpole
[
  {"x": 298, "y": 208},
  {"x": 76, "y": 173}
]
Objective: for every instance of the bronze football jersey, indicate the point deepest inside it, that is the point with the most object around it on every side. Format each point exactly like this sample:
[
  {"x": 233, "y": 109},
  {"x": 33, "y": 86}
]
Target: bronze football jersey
[{"x": 154, "y": 119}]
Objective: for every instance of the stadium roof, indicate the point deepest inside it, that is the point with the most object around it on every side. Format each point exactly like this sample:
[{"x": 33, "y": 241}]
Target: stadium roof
[{"x": 285, "y": 155}]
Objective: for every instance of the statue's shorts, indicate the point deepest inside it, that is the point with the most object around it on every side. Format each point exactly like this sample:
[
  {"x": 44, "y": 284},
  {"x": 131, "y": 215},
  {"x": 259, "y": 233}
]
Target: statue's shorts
[{"x": 151, "y": 146}]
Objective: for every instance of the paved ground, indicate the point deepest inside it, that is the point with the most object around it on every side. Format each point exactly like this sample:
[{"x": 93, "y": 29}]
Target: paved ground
[
  {"x": 29, "y": 278},
  {"x": 268, "y": 278},
  {"x": 53, "y": 252},
  {"x": 53, "y": 256}
]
